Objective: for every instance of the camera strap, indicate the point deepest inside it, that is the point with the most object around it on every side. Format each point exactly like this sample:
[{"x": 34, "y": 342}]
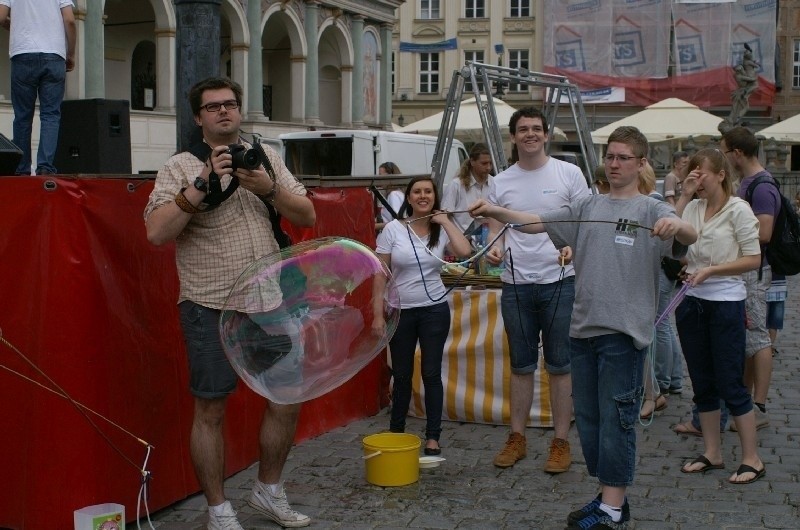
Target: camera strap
[{"x": 215, "y": 196}]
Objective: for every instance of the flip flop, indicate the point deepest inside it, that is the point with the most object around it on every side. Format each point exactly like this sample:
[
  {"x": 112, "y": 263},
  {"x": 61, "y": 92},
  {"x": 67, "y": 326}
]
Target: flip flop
[
  {"x": 707, "y": 465},
  {"x": 744, "y": 468},
  {"x": 687, "y": 428}
]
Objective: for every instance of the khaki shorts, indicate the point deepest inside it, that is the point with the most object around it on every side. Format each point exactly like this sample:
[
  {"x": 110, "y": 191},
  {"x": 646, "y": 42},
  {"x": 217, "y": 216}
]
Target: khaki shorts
[{"x": 755, "y": 306}]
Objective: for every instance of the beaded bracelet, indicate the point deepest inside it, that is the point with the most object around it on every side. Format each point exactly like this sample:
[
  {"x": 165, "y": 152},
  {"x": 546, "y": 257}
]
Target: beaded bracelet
[{"x": 184, "y": 204}]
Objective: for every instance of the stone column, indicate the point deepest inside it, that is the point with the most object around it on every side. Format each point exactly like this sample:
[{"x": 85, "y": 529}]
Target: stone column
[
  {"x": 312, "y": 63},
  {"x": 358, "y": 71},
  {"x": 94, "y": 53},
  {"x": 386, "y": 76},
  {"x": 196, "y": 58},
  {"x": 298, "y": 80},
  {"x": 255, "y": 74},
  {"x": 165, "y": 65},
  {"x": 347, "y": 100}
]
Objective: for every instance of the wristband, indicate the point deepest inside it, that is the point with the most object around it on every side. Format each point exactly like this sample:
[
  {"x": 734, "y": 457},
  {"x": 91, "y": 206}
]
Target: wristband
[
  {"x": 273, "y": 193},
  {"x": 184, "y": 204}
]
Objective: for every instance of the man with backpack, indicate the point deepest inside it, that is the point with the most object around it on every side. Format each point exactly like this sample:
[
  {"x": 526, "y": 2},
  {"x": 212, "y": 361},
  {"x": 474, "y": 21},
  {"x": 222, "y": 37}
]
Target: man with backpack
[{"x": 741, "y": 148}]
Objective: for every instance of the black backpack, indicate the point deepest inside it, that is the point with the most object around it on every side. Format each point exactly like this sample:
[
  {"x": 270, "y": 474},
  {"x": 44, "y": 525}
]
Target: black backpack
[{"x": 783, "y": 249}]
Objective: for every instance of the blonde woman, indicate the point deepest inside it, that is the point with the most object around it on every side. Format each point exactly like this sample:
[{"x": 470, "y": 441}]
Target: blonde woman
[
  {"x": 667, "y": 348},
  {"x": 472, "y": 183},
  {"x": 711, "y": 319}
]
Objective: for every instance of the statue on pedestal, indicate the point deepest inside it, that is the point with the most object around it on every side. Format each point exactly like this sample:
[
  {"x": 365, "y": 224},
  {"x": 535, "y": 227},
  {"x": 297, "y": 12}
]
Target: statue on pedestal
[{"x": 746, "y": 76}]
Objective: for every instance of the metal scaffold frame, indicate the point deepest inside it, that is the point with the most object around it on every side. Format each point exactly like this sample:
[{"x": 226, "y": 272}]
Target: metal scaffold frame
[{"x": 481, "y": 76}]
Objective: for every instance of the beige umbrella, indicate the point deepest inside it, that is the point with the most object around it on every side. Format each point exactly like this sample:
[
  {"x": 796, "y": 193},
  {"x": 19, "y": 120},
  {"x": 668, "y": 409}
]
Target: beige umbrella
[
  {"x": 784, "y": 131},
  {"x": 670, "y": 119},
  {"x": 468, "y": 126}
]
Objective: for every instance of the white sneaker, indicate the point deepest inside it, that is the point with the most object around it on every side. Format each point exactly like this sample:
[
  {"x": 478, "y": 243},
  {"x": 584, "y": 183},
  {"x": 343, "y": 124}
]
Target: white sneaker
[
  {"x": 226, "y": 521},
  {"x": 276, "y": 507}
]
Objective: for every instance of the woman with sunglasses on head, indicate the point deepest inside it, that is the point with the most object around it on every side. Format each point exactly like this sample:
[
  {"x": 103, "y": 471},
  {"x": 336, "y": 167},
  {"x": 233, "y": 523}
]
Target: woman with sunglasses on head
[
  {"x": 711, "y": 319},
  {"x": 411, "y": 247}
]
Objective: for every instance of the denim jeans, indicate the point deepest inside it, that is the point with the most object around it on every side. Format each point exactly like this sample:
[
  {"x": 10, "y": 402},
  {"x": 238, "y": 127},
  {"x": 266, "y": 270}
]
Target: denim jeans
[
  {"x": 713, "y": 339},
  {"x": 667, "y": 348},
  {"x": 531, "y": 309},
  {"x": 607, "y": 390},
  {"x": 42, "y": 75},
  {"x": 429, "y": 325}
]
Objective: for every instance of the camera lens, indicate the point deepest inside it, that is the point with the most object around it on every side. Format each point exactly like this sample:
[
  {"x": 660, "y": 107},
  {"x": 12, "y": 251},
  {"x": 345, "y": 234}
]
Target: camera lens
[
  {"x": 243, "y": 157},
  {"x": 250, "y": 159}
]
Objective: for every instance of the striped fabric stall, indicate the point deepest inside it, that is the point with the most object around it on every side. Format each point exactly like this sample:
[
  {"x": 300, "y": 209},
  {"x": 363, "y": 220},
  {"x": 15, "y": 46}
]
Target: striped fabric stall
[{"x": 475, "y": 371}]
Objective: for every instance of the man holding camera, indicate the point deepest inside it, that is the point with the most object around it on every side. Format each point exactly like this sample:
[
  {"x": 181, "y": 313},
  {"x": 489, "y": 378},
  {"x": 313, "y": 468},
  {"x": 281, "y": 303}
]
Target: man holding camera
[{"x": 219, "y": 230}]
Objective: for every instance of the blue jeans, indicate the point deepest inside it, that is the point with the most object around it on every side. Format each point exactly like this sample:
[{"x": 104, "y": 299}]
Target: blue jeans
[
  {"x": 713, "y": 338},
  {"x": 531, "y": 309},
  {"x": 42, "y": 75},
  {"x": 668, "y": 357},
  {"x": 429, "y": 325},
  {"x": 606, "y": 390}
]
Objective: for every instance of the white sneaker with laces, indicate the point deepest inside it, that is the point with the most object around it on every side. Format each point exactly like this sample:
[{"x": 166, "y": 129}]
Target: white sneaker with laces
[
  {"x": 226, "y": 521},
  {"x": 276, "y": 507}
]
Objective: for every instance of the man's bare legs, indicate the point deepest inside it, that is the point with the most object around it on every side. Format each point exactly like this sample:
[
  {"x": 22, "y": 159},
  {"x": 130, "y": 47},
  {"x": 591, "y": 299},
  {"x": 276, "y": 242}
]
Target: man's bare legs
[
  {"x": 207, "y": 447},
  {"x": 561, "y": 403},
  {"x": 521, "y": 390},
  {"x": 758, "y": 374},
  {"x": 275, "y": 439}
]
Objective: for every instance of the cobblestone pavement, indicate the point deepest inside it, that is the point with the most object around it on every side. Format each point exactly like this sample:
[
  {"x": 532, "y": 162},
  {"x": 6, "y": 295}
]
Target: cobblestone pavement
[{"x": 325, "y": 475}]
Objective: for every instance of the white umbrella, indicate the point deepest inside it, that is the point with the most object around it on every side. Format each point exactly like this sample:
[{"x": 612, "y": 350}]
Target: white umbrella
[
  {"x": 670, "y": 119},
  {"x": 783, "y": 131},
  {"x": 468, "y": 126}
]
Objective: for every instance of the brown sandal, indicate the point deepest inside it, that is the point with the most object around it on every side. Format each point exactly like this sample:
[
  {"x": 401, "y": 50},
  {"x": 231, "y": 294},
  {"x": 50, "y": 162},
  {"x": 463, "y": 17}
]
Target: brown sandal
[
  {"x": 687, "y": 428},
  {"x": 659, "y": 404}
]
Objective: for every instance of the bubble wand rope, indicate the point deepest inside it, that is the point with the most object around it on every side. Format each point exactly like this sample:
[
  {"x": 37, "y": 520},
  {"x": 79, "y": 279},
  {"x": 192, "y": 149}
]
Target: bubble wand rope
[
  {"x": 83, "y": 409},
  {"x": 677, "y": 299},
  {"x": 467, "y": 261},
  {"x": 651, "y": 374},
  {"x": 489, "y": 245}
]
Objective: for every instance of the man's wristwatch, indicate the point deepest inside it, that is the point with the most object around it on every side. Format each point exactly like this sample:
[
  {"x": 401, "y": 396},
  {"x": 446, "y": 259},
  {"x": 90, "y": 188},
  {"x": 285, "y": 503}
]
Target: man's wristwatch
[{"x": 201, "y": 184}]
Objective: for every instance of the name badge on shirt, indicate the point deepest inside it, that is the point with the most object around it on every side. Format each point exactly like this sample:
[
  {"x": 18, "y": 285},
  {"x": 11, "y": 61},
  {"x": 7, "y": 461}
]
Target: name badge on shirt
[
  {"x": 624, "y": 240},
  {"x": 549, "y": 192}
]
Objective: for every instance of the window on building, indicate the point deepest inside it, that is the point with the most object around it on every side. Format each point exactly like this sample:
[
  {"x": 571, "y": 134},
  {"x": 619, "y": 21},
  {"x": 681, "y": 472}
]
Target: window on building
[
  {"x": 428, "y": 73},
  {"x": 518, "y": 59},
  {"x": 429, "y": 9},
  {"x": 475, "y": 9},
  {"x": 520, "y": 8},
  {"x": 796, "y": 65},
  {"x": 476, "y": 56},
  {"x": 393, "y": 71}
]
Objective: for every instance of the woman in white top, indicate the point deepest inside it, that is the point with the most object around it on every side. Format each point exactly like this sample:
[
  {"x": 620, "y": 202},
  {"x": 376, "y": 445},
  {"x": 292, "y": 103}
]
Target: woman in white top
[
  {"x": 472, "y": 183},
  {"x": 395, "y": 197},
  {"x": 424, "y": 316},
  {"x": 711, "y": 319}
]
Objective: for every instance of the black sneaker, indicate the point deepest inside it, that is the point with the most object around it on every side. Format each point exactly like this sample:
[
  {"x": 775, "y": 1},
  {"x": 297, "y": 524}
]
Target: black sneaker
[
  {"x": 582, "y": 512},
  {"x": 597, "y": 519}
]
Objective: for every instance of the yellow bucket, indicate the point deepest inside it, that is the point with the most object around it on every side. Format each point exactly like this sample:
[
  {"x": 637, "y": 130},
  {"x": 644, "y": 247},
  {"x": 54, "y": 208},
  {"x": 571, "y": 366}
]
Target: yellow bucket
[{"x": 392, "y": 458}]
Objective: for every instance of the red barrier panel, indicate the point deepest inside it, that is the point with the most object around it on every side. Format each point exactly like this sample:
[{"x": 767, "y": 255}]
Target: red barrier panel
[{"x": 89, "y": 301}]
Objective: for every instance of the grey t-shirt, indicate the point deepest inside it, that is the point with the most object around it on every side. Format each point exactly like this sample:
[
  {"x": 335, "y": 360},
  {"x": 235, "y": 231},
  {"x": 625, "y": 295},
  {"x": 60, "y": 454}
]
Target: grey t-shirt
[{"x": 616, "y": 265}]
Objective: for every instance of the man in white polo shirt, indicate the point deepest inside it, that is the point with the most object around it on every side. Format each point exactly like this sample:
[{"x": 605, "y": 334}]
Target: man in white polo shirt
[{"x": 42, "y": 50}]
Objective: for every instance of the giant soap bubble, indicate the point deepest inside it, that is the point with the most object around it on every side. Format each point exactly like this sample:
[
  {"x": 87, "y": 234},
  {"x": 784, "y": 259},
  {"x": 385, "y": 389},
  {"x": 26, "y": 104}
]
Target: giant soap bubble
[{"x": 298, "y": 323}]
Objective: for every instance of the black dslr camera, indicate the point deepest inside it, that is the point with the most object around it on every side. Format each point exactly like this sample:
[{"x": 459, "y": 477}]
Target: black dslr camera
[{"x": 243, "y": 157}]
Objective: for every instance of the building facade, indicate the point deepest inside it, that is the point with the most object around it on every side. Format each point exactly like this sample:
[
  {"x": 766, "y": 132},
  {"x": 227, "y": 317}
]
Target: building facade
[
  {"x": 301, "y": 63},
  {"x": 432, "y": 38},
  {"x": 335, "y": 63}
]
